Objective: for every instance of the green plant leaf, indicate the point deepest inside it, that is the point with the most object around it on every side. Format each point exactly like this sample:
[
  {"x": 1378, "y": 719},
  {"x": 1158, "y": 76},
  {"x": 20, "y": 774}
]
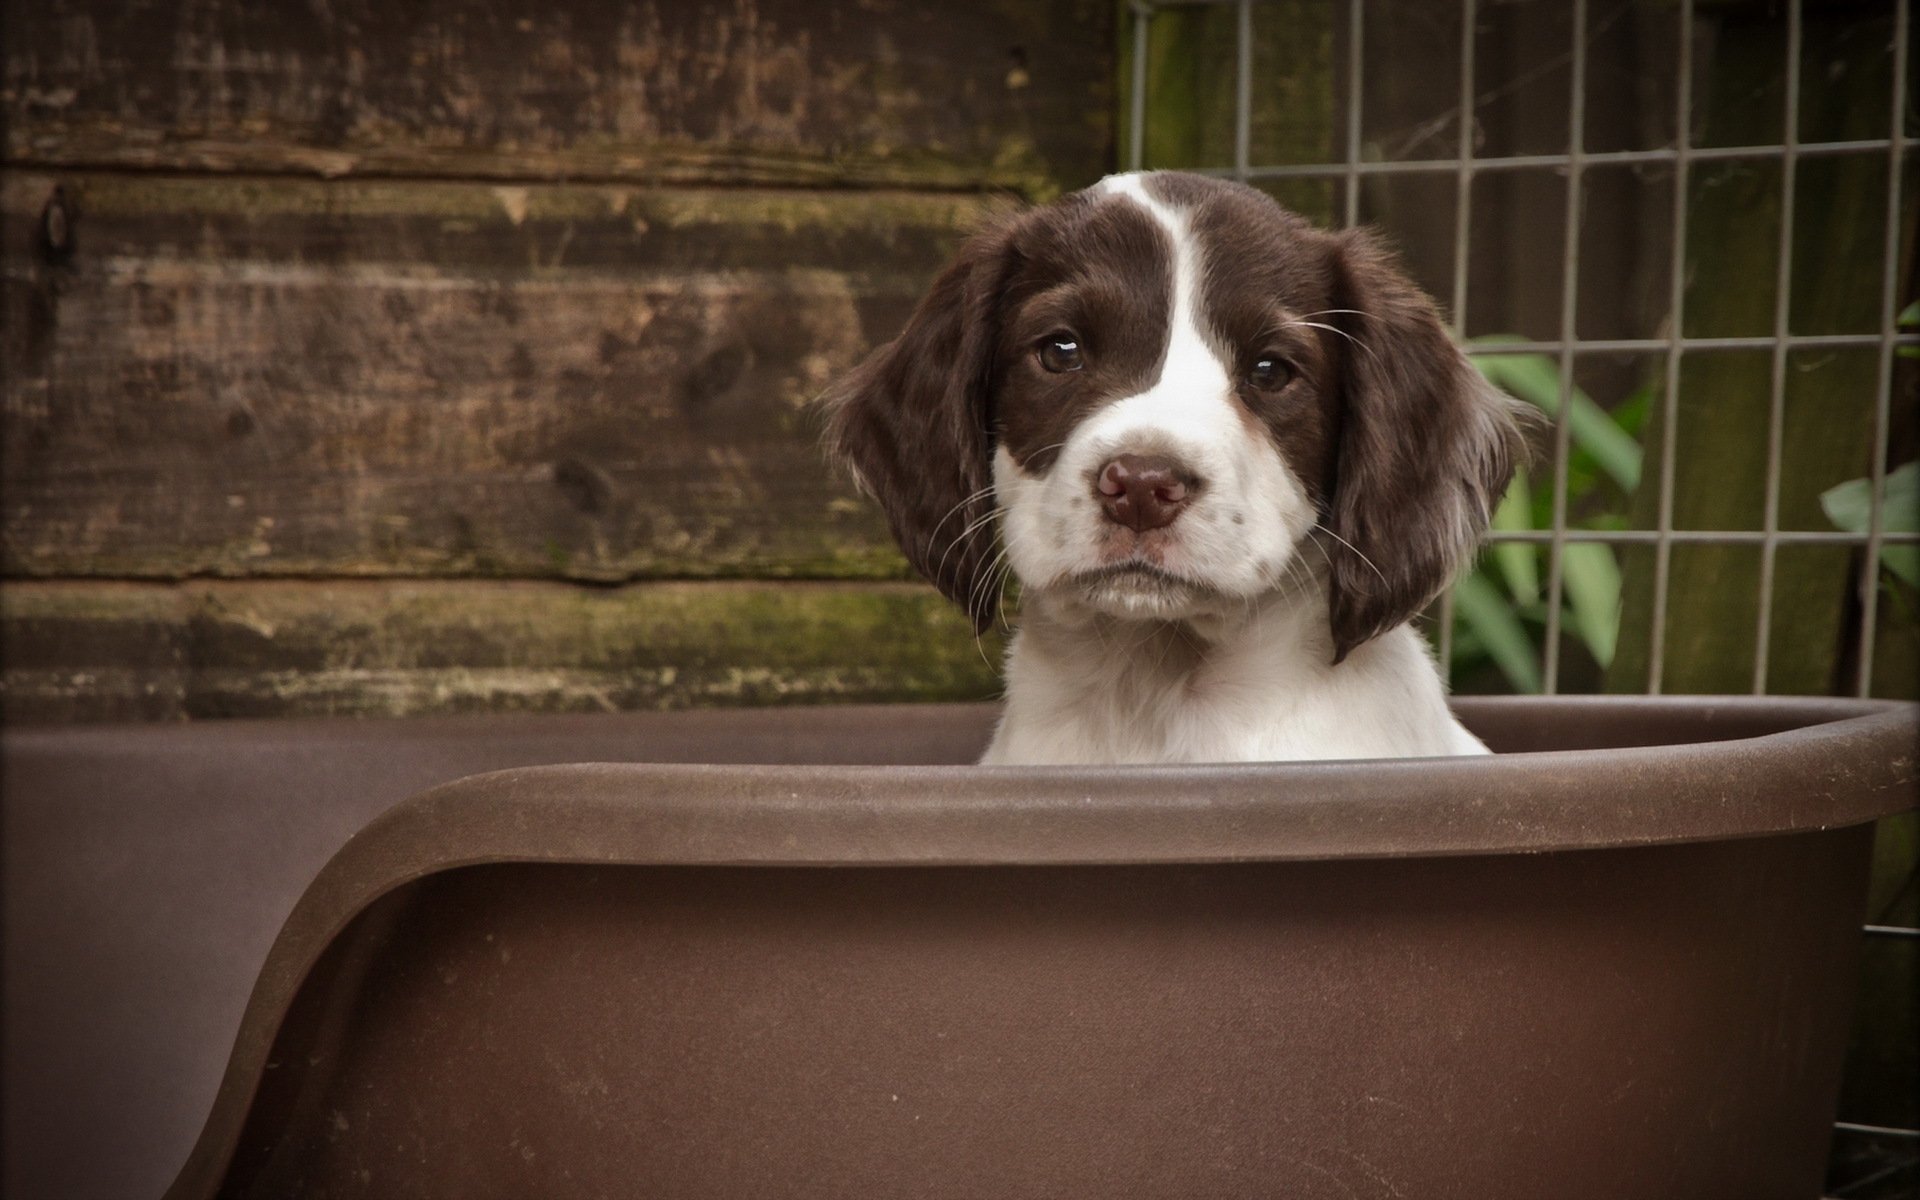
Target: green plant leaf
[
  {"x": 1908, "y": 318},
  {"x": 1848, "y": 505},
  {"x": 1519, "y": 565},
  {"x": 1591, "y": 578},
  {"x": 1535, "y": 378},
  {"x": 1903, "y": 562},
  {"x": 1631, "y": 414},
  {"x": 1485, "y": 610}
]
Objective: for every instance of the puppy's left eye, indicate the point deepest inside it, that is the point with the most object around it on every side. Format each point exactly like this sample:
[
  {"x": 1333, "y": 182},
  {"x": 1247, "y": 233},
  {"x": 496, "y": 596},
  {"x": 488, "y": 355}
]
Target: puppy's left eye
[
  {"x": 1061, "y": 353},
  {"x": 1269, "y": 373}
]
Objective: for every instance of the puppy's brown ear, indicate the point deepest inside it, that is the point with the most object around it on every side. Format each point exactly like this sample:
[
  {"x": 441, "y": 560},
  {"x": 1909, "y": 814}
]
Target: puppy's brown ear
[
  {"x": 911, "y": 422},
  {"x": 1426, "y": 449}
]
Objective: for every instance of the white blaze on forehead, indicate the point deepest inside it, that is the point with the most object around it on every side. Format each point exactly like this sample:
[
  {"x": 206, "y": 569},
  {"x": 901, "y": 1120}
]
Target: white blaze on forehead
[
  {"x": 1190, "y": 361},
  {"x": 1190, "y": 404}
]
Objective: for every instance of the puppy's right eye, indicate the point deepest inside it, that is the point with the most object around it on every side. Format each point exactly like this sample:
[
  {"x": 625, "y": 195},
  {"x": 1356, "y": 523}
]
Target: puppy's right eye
[
  {"x": 1269, "y": 373},
  {"x": 1060, "y": 353}
]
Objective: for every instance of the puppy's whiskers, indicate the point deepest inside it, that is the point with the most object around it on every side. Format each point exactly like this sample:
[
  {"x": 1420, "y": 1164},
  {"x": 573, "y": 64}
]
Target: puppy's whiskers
[
  {"x": 964, "y": 501},
  {"x": 992, "y": 511},
  {"x": 1335, "y": 329},
  {"x": 1337, "y": 312},
  {"x": 1356, "y": 551},
  {"x": 978, "y": 593},
  {"x": 991, "y": 570},
  {"x": 973, "y": 528}
]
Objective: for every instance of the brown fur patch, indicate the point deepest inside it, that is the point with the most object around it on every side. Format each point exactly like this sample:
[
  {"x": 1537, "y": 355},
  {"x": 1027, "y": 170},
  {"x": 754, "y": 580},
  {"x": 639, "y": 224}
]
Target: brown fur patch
[
  {"x": 1100, "y": 269},
  {"x": 912, "y": 422},
  {"x": 1426, "y": 449}
]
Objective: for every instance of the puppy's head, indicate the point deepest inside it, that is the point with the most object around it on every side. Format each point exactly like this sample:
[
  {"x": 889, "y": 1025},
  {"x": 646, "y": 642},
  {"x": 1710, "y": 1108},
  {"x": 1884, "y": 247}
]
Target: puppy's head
[{"x": 1177, "y": 396}]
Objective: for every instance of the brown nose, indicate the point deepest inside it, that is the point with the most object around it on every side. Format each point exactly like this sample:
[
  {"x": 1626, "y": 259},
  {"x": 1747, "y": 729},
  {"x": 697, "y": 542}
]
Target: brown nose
[{"x": 1143, "y": 491}]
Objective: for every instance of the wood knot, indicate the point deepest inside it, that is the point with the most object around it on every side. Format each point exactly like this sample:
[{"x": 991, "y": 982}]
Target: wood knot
[
  {"x": 54, "y": 238},
  {"x": 716, "y": 374},
  {"x": 585, "y": 486}
]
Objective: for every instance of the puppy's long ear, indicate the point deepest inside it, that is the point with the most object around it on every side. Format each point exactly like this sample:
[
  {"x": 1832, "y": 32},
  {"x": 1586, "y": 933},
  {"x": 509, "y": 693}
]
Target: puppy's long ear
[
  {"x": 912, "y": 424},
  {"x": 1426, "y": 449}
]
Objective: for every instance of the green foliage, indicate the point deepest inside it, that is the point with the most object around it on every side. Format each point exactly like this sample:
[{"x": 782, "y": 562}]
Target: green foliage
[
  {"x": 1502, "y": 606},
  {"x": 1849, "y": 506},
  {"x": 1495, "y": 630},
  {"x": 1535, "y": 378}
]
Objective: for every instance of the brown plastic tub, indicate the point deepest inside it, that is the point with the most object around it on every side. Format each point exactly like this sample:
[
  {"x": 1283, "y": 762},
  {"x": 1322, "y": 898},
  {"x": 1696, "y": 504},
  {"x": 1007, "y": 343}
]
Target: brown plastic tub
[{"x": 1616, "y": 961}]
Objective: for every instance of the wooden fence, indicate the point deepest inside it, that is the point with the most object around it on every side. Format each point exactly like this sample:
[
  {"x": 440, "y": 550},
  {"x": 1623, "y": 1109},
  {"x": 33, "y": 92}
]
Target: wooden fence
[{"x": 396, "y": 358}]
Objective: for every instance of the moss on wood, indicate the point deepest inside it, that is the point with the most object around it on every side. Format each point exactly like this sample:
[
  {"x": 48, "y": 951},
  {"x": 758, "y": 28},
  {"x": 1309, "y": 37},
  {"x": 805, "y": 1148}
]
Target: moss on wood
[
  {"x": 80, "y": 651},
  {"x": 1191, "y": 86}
]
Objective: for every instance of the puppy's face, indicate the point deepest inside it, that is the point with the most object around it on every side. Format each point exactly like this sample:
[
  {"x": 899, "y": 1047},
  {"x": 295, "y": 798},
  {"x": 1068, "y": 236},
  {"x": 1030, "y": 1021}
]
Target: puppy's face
[
  {"x": 1164, "y": 416},
  {"x": 1176, "y": 396}
]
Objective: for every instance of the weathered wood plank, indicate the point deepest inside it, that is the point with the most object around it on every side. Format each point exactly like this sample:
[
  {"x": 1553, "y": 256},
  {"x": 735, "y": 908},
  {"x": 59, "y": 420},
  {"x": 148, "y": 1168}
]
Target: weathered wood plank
[
  {"x": 302, "y": 378},
  {"x": 80, "y": 651},
  {"x": 1010, "y": 93}
]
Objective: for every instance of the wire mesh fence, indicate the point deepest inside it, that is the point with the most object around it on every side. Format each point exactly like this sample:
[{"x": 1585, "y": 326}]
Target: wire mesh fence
[
  {"x": 1352, "y": 167},
  {"x": 1871, "y": 522}
]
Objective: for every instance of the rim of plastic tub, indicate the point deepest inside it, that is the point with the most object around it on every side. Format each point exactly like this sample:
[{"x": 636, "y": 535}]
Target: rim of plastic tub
[{"x": 1848, "y": 763}]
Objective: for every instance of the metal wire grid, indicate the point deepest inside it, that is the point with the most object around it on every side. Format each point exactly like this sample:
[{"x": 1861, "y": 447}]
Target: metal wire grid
[
  {"x": 1574, "y": 162},
  {"x": 1465, "y": 166}
]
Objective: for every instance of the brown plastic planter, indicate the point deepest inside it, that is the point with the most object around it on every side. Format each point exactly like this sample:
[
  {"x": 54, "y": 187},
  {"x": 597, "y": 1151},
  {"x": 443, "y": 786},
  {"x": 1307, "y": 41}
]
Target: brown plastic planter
[{"x": 1616, "y": 962}]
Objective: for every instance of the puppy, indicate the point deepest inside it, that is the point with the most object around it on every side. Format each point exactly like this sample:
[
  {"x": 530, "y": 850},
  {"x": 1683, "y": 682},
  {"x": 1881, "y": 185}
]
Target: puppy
[{"x": 1228, "y": 457}]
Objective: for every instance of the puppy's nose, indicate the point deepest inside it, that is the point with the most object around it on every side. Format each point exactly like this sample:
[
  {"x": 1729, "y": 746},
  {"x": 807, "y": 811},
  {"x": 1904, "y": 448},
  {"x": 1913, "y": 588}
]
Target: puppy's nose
[{"x": 1143, "y": 491}]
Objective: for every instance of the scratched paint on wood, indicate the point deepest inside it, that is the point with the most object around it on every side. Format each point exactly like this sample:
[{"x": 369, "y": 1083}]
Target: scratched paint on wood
[
  {"x": 1005, "y": 93},
  {"x": 293, "y": 378}
]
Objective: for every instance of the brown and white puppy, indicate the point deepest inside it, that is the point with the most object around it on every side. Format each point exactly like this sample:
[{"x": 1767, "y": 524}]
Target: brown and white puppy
[{"x": 1229, "y": 456}]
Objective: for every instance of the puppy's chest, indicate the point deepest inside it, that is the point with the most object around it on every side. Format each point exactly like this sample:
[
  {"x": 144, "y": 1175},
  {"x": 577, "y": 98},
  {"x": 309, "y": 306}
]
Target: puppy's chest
[
  {"x": 1147, "y": 705},
  {"x": 1122, "y": 703}
]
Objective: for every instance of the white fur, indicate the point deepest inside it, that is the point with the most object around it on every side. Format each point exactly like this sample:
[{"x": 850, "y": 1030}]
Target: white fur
[
  {"x": 1086, "y": 688},
  {"x": 1239, "y": 665}
]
